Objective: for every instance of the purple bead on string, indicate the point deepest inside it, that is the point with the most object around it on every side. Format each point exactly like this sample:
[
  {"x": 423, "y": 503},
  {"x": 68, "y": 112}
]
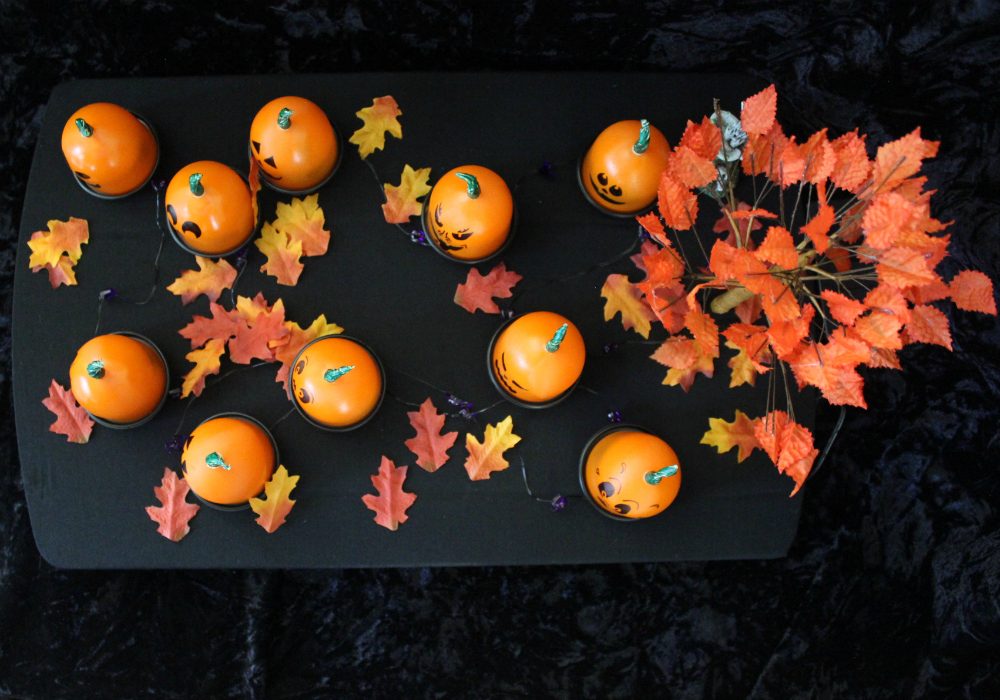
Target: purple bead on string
[
  {"x": 614, "y": 416},
  {"x": 547, "y": 170},
  {"x": 418, "y": 236},
  {"x": 644, "y": 235},
  {"x": 109, "y": 294},
  {"x": 176, "y": 443},
  {"x": 610, "y": 348},
  {"x": 158, "y": 185},
  {"x": 506, "y": 314},
  {"x": 558, "y": 503}
]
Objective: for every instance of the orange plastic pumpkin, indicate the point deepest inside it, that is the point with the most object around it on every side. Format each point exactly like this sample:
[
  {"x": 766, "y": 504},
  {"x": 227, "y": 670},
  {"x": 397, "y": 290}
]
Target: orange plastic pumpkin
[
  {"x": 210, "y": 209},
  {"x": 119, "y": 378},
  {"x": 621, "y": 171},
  {"x": 227, "y": 459},
  {"x": 537, "y": 358},
  {"x": 630, "y": 473},
  {"x": 469, "y": 213},
  {"x": 336, "y": 382},
  {"x": 294, "y": 143},
  {"x": 110, "y": 151}
]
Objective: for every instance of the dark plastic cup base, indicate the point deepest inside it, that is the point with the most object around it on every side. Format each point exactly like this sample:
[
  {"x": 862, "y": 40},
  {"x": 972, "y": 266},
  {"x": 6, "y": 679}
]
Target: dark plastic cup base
[
  {"x": 308, "y": 190},
  {"x": 499, "y": 251},
  {"x": 594, "y": 439},
  {"x": 163, "y": 399},
  {"x": 111, "y": 197},
  {"x": 503, "y": 392},
  {"x": 598, "y": 205}
]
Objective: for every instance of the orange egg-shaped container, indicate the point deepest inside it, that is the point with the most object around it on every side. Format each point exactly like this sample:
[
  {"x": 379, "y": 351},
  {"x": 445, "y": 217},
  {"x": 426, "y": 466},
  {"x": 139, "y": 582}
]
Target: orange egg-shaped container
[
  {"x": 336, "y": 383},
  {"x": 227, "y": 460},
  {"x": 209, "y": 209},
  {"x": 620, "y": 172},
  {"x": 469, "y": 215},
  {"x": 111, "y": 152},
  {"x": 536, "y": 359},
  {"x": 628, "y": 473},
  {"x": 295, "y": 145},
  {"x": 120, "y": 379}
]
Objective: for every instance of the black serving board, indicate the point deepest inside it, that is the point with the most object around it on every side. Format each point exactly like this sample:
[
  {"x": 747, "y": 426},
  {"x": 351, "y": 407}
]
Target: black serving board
[{"x": 87, "y": 501}]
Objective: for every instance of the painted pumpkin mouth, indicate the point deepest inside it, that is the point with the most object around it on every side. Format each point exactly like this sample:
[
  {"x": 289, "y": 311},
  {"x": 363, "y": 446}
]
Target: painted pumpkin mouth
[
  {"x": 501, "y": 374},
  {"x": 602, "y": 195},
  {"x": 446, "y": 239}
]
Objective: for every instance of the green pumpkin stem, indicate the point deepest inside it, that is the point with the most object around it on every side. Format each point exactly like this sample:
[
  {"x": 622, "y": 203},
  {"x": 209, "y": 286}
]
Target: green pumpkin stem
[
  {"x": 557, "y": 339},
  {"x": 654, "y": 478},
  {"x": 86, "y": 130},
  {"x": 194, "y": 182},
  {"x": 472, "y": 184},
  {"x": 96, "y": 369},
  {"x": 643, "y": 143},
  {"x": 332, "y": 375},
  {"x": 285, "y": 117},
  {"x": 215, "y": 461}
]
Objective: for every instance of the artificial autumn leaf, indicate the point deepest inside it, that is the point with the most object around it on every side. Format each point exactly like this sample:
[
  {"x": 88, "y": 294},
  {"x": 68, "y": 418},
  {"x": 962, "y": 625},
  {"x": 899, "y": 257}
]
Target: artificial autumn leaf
[
  {"x": 851, "y": 165},
  {"x": 288, "y": 347},
  {"x": 283, "y": 255},
  {"x": 257, "y": 333},
  {"x": 667, "y": 302},
  {"x": 899, "y": 159},
  {"x": 401, "y": 201},
  {"x": 778, "y": 248},
  {"x": 303, "y": 221},
  {"x": 486, "y": 457},
  {"x": 678, "y": 205},
  {"x": 820, "y": 158},
  {"x": 685, "y": 359},
  {"x": 785, "y": 336},
  {"x": 271, "y": 513},
  {"x": 724, "y": 436},
  {"x": 704, "y": 329},
  {"x": 704, "y": 139},
  {"x": 831, "y": 368},
  {"x": 928, "y": 325},
  {"x": 222, "y": 325},
  {"x": 791, "y": 164},
  {"x": 741, "y": 368},
  {"x": 478, "y": 291},
  {"x": 904, "y": 267},
  {"x": 762, "y": 152},
  {"x": 663, "y": 266},
  {"x": 885, "y": 219},
  {"x": 71, "y": 420},
  {"x": 253, "y": 179},
  {"x": 173, "y": 517},
  {"x": 62, "y": 272},
  {"x": 691, "y": 169},
  {"x": 377, "y": 119},
  {"x": 207, "y": 361},
  {"x": 620, "y": 295},
  {"x": 788, "y": 444},
  {"x": 818, "y": 227},
  {"x": 429, "y": 445},
  {"x": 880, "y": 330},
  {"x": 650, "y": 221},
  {"x": 844, "y": 309},
  {"x": 392, "y": 501},
  {"x": 752, "y": 340},
  {"x": 971, "y": 290},
  {"x": 62, "y": 238},
  {"x": 210, "y": 279},
  {"x": 757, "y": 115}
]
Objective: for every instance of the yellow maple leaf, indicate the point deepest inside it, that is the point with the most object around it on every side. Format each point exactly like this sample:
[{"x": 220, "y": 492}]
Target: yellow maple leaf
[
  {"x": 725, "y": 436},
  {"x": 303, "y": 221},
  {"x": 210, "y": 279},
  {"x": 621, "y": 295},
  {"x": 207, "y": 361},
  {"x": 271, "y": 513},
  {"x": 486, "y": 457},
  {"x": 62, "y": 237},
  {"x": 743, "y": 371},
  {"x": 62, "y": 273},
  {"x": 284, "y": 261},
  {"x": 401, "y": 200},
  {"x": 377, "y": 119}
]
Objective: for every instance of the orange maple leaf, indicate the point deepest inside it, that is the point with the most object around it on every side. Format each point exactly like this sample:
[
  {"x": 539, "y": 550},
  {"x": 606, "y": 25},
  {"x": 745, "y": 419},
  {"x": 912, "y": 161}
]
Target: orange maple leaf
[
  {"x": 173, "y": 517},
  {"x": 271, "y": 514},
  {"x": 207, "y": 361},
  {"x": 971, "y": 290},
  {"x": 788, "y": 444},
  {"x": 285, "y": 349},
  {"x": 851, "y": 168},
  {"x": 210, "y": 279},
  {"x": 257, "y": 332},
  {"x": 222, "y": 325},
  {"x": 392, "y": 501},
  {"x": 778, "y": 248},
  {"x": 677, "y": 204},
  {"x": 486, "y": 457},
  {"x": 478, "y": 291},
  {"x": 685, "y": 360},
  {"x": 402, "y": 200},
  {"x": 751, "y": 340},
  {"x": 691, "y": 169},
  {"x": 620, "y": 295},
  {"x": 899, "y": 159},
  {"x": 303, "y": 221},
  {"x": 705, "y": 139},
  {"x": 429, "y": 445},
  {"x": 62, "y": 272},
  {"x": 62, "y": 238},
  {"x": 928, "y": 325},
  {"x": 283, "y": 255},
  {"x": 757, "y": 115},
  {"x": 724, "y": 436},
  {"x": 377, "y": 120},
  {"x": 71, "y": 420}
]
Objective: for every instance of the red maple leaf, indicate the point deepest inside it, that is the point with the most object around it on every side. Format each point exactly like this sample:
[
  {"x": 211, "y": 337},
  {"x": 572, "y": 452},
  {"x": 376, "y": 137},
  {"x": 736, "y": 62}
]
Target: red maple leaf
[
  {"x": 429, "y": 445},
  {"x": 971, "y": 290},
  {"x": 71, "y": 420},
  {"x": 392, "y": 501},
  {"x": 173, "y": 516},
  {"x": 478, "y": 291}
]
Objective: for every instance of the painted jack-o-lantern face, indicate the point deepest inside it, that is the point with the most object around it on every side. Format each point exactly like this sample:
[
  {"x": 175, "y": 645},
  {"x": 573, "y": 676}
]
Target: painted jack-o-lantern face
[
  {"x": 118, "y": 378},
  {"x": 109, "y": 150},
  {"x": 621, "y": 171},
  {"x": 631, "y": 473},
  {"x": 469, "y": 213},
  {"x": 336, "y": 382},
  {"x": 537, "y": 358},
  {"x": 294, "y": 143},
  {"x": 228, "y": 459},
  {"x": 210, "y": 208}
]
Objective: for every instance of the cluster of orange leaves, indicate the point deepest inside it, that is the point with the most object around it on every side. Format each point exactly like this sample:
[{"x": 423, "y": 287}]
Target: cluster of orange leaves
[
  {"x": 884, "y": 234},
  {"x": 298, "y": 230},
  {"x": 58, "y": 249}
]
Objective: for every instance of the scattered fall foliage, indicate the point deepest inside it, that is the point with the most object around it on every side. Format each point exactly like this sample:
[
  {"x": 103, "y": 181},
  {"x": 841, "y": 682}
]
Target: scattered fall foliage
[
  {"x": 392, "y": 501},
  {"x": 402, "y": 200},
  {"x": 174, "y": 516},
  {"x": 379, "y": 118},
  {"x": 486, "y": 457},
  {"x": 58, "y": 249},
  {"x": 271, "y": 513},
  {"x": 478, "y": 291},
  {"x": 429, "y": 445},
  {"x": 210, "y": 279},
  {"x": 71, "y": 420}
]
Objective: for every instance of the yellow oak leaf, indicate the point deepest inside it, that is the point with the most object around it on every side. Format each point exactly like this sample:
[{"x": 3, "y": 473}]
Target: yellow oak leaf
[
  {"x": 210, "y": 279},
  {"x": 283, "y": 256},
  {"x": 207, "y": 361},
  {"x": 401, "y": 201},
  {"x": 271, "y": 513},
  {"x": 303, "y": 220},
  {"x": 377, "y": 119},
  {"x": 486, "y": 457},
  {"x": 621, "y": 295},
  {"x": 741, "y": 366},
  {"x": 63, "y": 239},
  {"x": 725, "y": 436}
]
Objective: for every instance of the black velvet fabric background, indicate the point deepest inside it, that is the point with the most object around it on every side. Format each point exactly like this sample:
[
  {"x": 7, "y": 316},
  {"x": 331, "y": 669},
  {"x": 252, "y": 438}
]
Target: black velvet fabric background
[{"x": 892, "y": 588}]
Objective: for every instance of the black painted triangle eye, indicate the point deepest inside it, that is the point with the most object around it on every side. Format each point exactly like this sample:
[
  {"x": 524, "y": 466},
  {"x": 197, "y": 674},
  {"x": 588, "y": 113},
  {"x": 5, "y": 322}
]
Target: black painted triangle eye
[
  {"x": 256, "y": 145},
  {"x": 270, "y": 161},
  {"x": 85, "y": 176}
]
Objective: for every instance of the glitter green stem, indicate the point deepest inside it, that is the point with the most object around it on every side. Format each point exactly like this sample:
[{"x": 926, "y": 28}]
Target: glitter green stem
[
  {"x": 643, "y": 143},
  {"x": 194, "y": 182},
  {"x": 472, "y": 184},
  {"x": 285, "y": 117},
  {"x": 86, "y": 130},
  {"x": 332, "y": 375},
  {"x": 557, "y": 339},
  {"x": 654, "y": 478}
]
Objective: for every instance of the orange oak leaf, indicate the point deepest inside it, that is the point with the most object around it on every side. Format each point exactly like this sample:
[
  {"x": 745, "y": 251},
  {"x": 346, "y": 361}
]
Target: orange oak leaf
[
  {"x": 818, "y": 227},
  {"x": 741, "y": 369},
  {"x": 904, "y": 267},
  {"x": 402, "y": 200},
  {"x": 222, "y": 326},
  {"x": 691, "y": 169},
  {"x": 851, "y": 167},
  {"x": 899, "y": 159},
  {"x": 486, "y": 457},
  {"x": 283, "y": 255},
  {"x": 377, "y": 120},
  {"x": 429, "y": 445},
  {"x": 257, "y": 334},
  {"x": 61, "y": 238},
  {"x": 478, "y": 291},
  {"x": 71, "y": 420},
  {"x": 685, "y": 360},
  {"x": 705, "y": 139},
  {"x": 778, "y": 248},
  {"x": 843, "y": 309},
  {"x": 303, "y": 221},
  {"x": 678, "y": 205},
  {"x": 788, "y": 444},
  {"x": 971, "y": 290},
  {"x": 620, "y": 295},
  {"x": 392, "y": 501},
  {"x": 271, "y": 514},
  {"x": 724, "y": 436},
  {"x": 757, "y": 115},
  {"x": 173, "y": 517},
  {"x": 928, "y": 325},
  {"x": 210, "y": 279},
  {"x": 285, "y": 349},
  {"x": 207, "y": 361}
]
